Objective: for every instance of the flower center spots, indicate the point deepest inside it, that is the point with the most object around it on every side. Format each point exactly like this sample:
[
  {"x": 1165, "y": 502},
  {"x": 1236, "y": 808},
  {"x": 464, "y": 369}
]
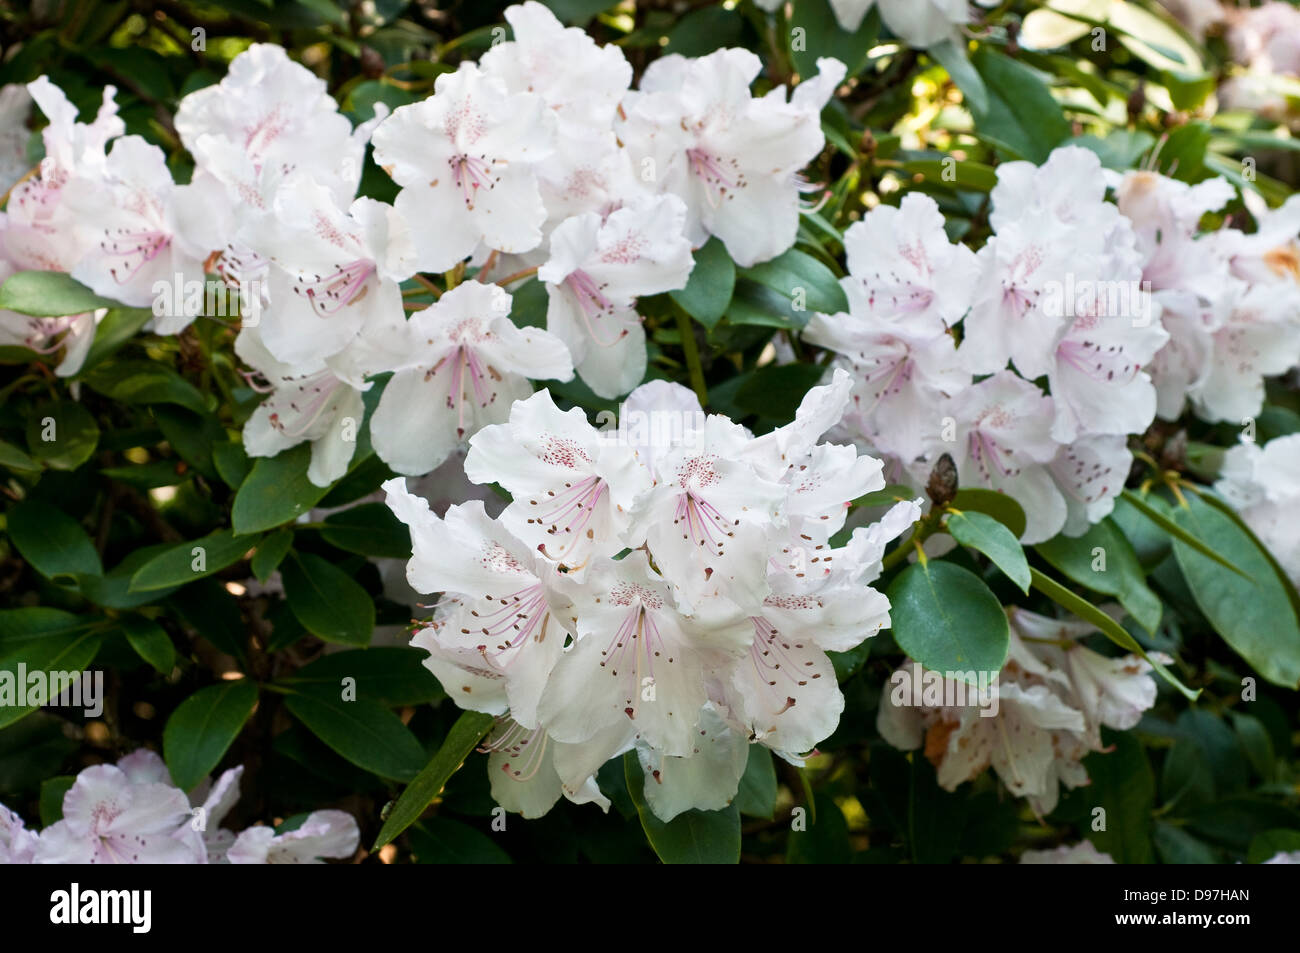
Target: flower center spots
[
  {"x": 1098, "y": 362},
  {"x": 988, "y": 455},
  {"x": 522, "y": 616},
  {"x": 133, "y": 249},
  {"x": 593, "y": 304},
  {"x": 776, "y": 666},
  {"x": 316, "y": 393},
  {"x": 468, "y": 374},
  {"x": 524, "y": 750},
  {"x": 471, "y": 173},
  {"x": 702, "y": 523},
  {"x": 720, "y": 177},
  {"x": 568, "y": 513},
  {"x": 636, "y": 645},
  {"x": 330, "y": 293}
]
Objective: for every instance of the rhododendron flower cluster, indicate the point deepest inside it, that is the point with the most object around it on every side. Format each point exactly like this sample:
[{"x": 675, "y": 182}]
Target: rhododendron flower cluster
[
  {"x": 1080, "y": 320},
  {"x": 532, "y": 156},
  {"x": 669, "y": 586},
  {"x": 131, "y": 813},
  {"x": 1052, "y": 696}
]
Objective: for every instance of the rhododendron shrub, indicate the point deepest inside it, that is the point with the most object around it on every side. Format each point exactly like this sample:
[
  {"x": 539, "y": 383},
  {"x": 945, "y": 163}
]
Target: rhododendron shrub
[{"x": 543, "y": 432}]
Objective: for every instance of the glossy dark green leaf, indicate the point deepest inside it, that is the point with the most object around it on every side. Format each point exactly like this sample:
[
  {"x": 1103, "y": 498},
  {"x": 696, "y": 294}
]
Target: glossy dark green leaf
[
  {"x": 708, "y": 290},
  {"x": 364, "y": 732},
  {"x": 327, "y": 601},
  {"x": 1254, "y": 615},
  {"x": 53, "y": 543},
  {"x": 1102, "y": 560},
  {"x": 275, "y": 491},
  {"x": 946, "y": 618},
  {"x": 203, "y": 727},
  {"x": 188, "y": 561},
  {"x": 61, "y": 434},
  {"x": 982, "y": 532},
  {"x": 462, "y": 739},
  {"x": 49, "y": 294}
]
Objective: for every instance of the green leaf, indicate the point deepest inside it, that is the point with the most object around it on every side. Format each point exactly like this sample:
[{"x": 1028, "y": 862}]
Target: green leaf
[
  {"x": 370, "y": 529},
  {"x": 270, "y": 553},
  {"x": 945, "y": 618},
  {"x": 231, "y": 462},
  {"x": 982, "y": 532},
  {"x": 144, "y": 382},
  {"x": 1122, "y": 784},
  {"x": 328, "y": 602},
  {"x": 31, "y": 623},
  {"x": 886, "y": 496},
  {"x": 973, "y": 176},
  {"x": 1282, "y": 576},
  {"x": 1102, "y": 560},
  {"x": 756, "y": 304},
  {"x": 1001, "y": 507},
  {"x": 389, "y": 675},
  {"x": 1254, "y": 614},
  {"x": 113, "y": 589},
  {"x": 821, "y": 35},
  {"x": 708, "y": 290},
  {"x": 1268, "y": 844},
  {"x": 150, "y": 641},
  {"x": 186, "y": 562},
  {"x": 775, "y": 391},
  {"x": 953, "y": 58},
  {"x": 1022, "y": 117},
  {"x": 463, "y": 737},
  {"x": 275, "y": 491},
  {"x": 1145, "y": 507},
  {"x": 14, "y": 459},
  {"x": 1105, "y": 624},
  {"x": 52, "y": 792},
  {"x": 692, "y": 837},
  {"x": 203, "y": 727},
  {"x": 756, "y": 796},
  {"x": 440, "y": 840},
  {"x": 363, "y": 732},
  {"x": 49, "y": 294},
  {"x": 56, "y": 655},
  {"x": 1176, "y": 846},
  {"x": 798, "y": 276},
  {"x": 824, "y": 840},
  {"x": 53, "y": 543},
  {"x": 62, "y": 434}
]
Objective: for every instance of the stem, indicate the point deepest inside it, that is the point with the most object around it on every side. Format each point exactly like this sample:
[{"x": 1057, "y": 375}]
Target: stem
[
  {"x": 526, "y": 273},
  {"x": 693, "y": 366}
]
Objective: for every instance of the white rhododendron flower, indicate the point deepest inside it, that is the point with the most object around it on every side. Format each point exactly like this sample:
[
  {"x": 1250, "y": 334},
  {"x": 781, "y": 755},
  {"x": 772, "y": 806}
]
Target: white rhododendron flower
[
  {"x": 1263, "y": 485},
  {"x": 323, "y": 834},
  {"x": 136, "y": 239},
  {"x": 17, "y": 844},
  {"x": 464, "y": 363},
  {"x": 596, "y": 271},
  {"x": 1036, "y": 722},
  {"x": 668, "y": 587},
  {"x": 694, "y": 129},
  {"x": 1081, "y": 853},
  {"x": 465, "y": 160},
  {"x": 334, "y": 271},
  {"x": 110, "y": 818},
  {"x": 132, "y": 813}
]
